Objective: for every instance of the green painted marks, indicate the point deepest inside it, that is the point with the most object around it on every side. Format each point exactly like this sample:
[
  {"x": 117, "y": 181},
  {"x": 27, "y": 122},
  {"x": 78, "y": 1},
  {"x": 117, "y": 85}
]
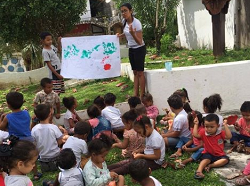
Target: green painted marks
[
  {"x": 86, "y": 54},
  {"x": 109, "y": 48},
  {"x": 70, "y": 50},
  {"x": 96, "y": 48}
]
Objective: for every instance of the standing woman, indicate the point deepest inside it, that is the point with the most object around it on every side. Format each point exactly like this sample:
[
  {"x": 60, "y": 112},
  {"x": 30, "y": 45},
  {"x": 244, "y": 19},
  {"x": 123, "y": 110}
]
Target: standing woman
[{"x": 132, "y": 30}]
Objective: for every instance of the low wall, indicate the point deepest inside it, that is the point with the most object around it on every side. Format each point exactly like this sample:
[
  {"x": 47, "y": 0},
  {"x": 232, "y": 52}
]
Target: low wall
[
  {"x": 230, "y": 80},
  {"x": 23, "y": 78}
]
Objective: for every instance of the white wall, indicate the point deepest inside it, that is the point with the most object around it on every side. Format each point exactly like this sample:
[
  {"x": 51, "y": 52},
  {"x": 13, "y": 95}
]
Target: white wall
[
  {"x": 230, "y": 80},
  {"x": 87, "y": 15},
  {"x": 195, "y": 25}
]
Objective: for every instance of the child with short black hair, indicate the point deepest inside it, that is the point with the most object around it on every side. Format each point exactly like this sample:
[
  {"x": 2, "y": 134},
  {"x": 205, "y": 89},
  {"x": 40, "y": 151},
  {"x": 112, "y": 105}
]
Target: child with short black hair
[
  {"x": 78, "y": 142},
  {"x": 48, "y": 138},
  {"x": 70, "y": 117},
  {"x": 242, "y": 126},
  {"x": 180, "y": 126},
  {"x": 70, "y": 174},
  {"x": 211, "y": 104},
  {"x": 213, "y": 154},
  {"x": 113, "y": 114},
  {"x": 95, "y": 172},
  {"x": 140, "y": 171},
  {"x": 99, "y": 102},
  {"x": 132, "y": 142},
  {"x": 52, "y": 61},
  {"x": 134, "y": 101},
  {"x": 17, "y": 158},
  {"x": 18, "y": 121},
  {"x": 152, "y": 110}
]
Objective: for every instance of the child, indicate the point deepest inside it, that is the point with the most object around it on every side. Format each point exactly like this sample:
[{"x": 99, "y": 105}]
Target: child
[
  {"x": 132, "y": 142},
  {"x": 243, "y": 126},
  {"x": 18, "y": 121},
  {"x": 70, "y": 117},
  {"x": 133, "y": 102},
  {"x": 17, "y": 158},
  {"x": 244, "y": 179},
  {"x": 140, "y": 109},
  {"x": 211, "y": 104},
  {"x": 52, "y": 61},
  {"x": 213, "y": 154},
  {"x": 140, "y": 171},
  {"x": 99, "y": 102},
  {"x": 78, "y": 142},
  {"x": 48, "y": 138},
  {"x": 48, "y": 96},
  {"x": 154, "y": 151},
  {"x": 193, "y": 145},
  {"x": 112, "y": 114},
  {"x": 95, "y": 172},
  {"x": 70, "y": 174},
  {"x": 180, "y": 126},
  {"x": 185, "y": 99},
  {"x": 152, "y": 110}
]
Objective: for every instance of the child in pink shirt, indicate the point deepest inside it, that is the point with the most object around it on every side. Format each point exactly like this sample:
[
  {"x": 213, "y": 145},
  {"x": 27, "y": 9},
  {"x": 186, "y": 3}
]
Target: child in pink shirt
[
  {"x": 152, "y": 110},
  {"x": 132, "y": 142}
]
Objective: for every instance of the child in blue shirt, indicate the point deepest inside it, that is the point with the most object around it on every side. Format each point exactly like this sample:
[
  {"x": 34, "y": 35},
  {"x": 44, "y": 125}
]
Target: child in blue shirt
[{"x": 18, "y": 121}]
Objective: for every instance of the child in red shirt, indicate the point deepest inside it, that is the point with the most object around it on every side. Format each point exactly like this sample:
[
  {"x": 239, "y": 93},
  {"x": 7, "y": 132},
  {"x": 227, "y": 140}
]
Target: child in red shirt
[{"x": 213, "y": 154}]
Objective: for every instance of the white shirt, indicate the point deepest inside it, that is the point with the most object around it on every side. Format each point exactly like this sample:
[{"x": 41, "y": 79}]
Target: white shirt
[
  {"x": 113, "y": 115},
  {"x": 71, "y": 177},
  {"x": 153, "y": 142},
  {"x": 17, "y": 180},
  {"x": 156, "y": 182},
  {"x": 181, "y": 124},
  {"x": 46, "y": 136},
  {"x": 220, "y": 120},
  {"x": 3, "y": 135},
  {"x": 136, "y": 24},
  {"x": 78, "y": 146}
]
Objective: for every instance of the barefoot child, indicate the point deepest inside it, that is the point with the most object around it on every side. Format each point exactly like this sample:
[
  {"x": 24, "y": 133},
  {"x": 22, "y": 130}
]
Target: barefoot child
[
  {"x": 95, "y": 171},
  {"x": 193, "y": 145},
  {"x": 132, "y": 142},
  {"x": 17, "y": 158},
  {"x": 70, "y": 117},
  {"x": 140, "y": 171},
  {"x": 213, "y": 154},
  {"x": 242, "y": 126}
]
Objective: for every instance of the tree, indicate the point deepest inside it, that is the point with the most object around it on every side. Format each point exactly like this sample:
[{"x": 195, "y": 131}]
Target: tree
[
  {"x": 23, "y": 20},
  {"x": 155, "y": 15}
]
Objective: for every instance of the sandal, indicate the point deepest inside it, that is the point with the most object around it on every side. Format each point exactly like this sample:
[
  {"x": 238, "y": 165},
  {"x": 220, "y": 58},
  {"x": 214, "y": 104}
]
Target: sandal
[
  {"x": 199, "y": 175},
  {"x": 48, "y": 183},
  {"x": 242, "y": 181},
  {"x": 207, "y": 169},
  {"x": 37, "y": 176},
  {"x": 233, "y": 175},
  {"x": 174, "y": 156},
  {"x": 165, "y": 165},
  {"x": 180, "y": 165}
]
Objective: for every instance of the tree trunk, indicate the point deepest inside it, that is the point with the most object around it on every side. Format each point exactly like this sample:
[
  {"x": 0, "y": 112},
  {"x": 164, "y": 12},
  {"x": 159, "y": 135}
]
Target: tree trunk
[
  {"x": 157, "y": 41},
  {"x": 218, "y": 34}
]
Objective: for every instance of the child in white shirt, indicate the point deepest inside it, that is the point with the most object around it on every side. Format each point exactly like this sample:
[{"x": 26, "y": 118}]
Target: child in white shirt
[
  {"x": 78, "y": 142},
  {"x": 140, "y": 171},
  {"x": 48, "y": 138}
]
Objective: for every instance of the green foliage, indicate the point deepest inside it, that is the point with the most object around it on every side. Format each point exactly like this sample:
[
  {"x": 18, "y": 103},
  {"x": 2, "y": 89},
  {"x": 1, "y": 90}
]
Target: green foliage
[
  {"x": 23, "y": 20},
  {"x": 32, "y": 55},
  {"x": 167, "y": 44}
]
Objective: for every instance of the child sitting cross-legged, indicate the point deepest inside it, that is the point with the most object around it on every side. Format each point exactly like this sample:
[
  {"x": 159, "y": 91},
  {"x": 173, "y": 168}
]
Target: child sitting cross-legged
[
  {"x": 48, "y": 138},
  {"x": 78, "y": 142},
  {"x": 242, "y": 126},
  {"x": 70, "y": 174},
  {"x": 70, "y": 117},
  {"x": 95, "y": 171},
  {"x": 213, "y": 154},
  {"x": 140, "y": 171},
  {"x": 193, "y": 145},
  {"x": 132, "y": 142}
]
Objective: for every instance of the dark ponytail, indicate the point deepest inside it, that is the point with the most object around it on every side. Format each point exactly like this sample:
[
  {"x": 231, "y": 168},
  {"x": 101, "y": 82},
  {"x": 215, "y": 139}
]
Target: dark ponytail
[
  {"x": 130, "y": 115},
  {"x": 99, "y": 145},
  {"x": 212, "y": 103}
]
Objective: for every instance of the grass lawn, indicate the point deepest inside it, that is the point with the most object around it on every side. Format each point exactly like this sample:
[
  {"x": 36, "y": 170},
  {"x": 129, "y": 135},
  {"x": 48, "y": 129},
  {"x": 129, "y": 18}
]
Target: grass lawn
[{"x": 182, "y": 58}]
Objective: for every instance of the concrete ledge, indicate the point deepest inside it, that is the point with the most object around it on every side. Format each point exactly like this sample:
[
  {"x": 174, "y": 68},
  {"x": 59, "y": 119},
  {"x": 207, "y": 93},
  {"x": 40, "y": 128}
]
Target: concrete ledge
[{"x": 230, "y": 80}]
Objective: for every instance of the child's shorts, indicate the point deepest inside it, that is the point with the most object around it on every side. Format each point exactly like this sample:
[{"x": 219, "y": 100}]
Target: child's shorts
[
  {"x": 48, "y": 165},
  {"x": 213, "y": 158}
]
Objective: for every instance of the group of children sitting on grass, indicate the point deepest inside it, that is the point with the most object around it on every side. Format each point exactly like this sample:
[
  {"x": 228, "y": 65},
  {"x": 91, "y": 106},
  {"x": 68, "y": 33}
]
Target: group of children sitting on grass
[{"x": 78, "y": 149}]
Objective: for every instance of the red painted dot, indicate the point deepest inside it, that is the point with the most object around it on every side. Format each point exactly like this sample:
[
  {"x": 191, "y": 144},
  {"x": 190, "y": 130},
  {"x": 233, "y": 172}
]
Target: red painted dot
[{"x": 107, "y": 67}]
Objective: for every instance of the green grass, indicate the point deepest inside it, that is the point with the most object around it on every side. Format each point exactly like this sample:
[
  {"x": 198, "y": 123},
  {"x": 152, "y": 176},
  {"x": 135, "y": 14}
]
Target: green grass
[
  {"x": 86, "y": 91},
  {"x": 168, "y": 176},
  {"x": 199, "y": 57}
]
